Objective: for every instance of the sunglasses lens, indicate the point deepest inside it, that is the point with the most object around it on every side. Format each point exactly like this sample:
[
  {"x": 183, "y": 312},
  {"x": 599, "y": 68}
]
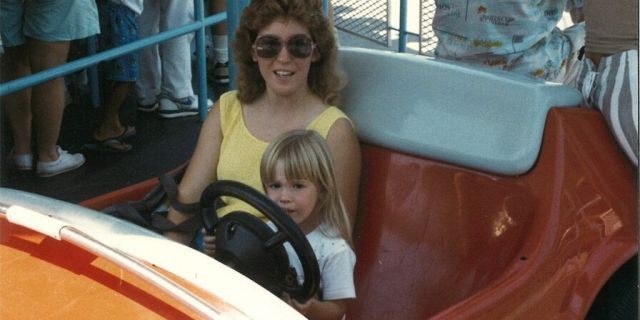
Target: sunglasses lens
[
  {"x": 299, "y": 46},
  {"x": 268, "y": 47}
]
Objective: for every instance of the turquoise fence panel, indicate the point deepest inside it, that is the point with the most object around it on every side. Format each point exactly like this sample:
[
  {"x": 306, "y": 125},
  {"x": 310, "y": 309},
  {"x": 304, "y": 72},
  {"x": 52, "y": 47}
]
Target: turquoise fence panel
[{"x": 231, "y": 16}]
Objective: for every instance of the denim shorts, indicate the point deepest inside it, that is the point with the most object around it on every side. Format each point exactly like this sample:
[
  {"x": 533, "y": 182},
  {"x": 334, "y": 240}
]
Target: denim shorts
[
  {"x": 47, "y": 20},
  {"x": 119, "y": 26}
]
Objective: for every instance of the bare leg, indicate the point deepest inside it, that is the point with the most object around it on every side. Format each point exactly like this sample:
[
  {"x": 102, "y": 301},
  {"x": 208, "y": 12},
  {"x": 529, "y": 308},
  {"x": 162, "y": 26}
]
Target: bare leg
[
  {"x": 115, "y": 93},
  {"x": 220, "y": 70},
  {"x": 217, "y": 6},
  {"x": 47, "y": 98},
  {"x": 18, "y": 105}
]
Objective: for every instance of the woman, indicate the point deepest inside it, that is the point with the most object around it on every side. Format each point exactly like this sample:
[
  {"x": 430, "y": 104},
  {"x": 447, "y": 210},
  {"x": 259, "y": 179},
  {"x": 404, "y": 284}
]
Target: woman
[{"x": 287, "y": 79}]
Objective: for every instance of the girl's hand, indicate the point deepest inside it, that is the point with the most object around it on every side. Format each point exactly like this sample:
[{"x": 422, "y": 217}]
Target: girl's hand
[
  {"x": 209, "y": 247},
  {"x": 318, "y": 309},
  {"x": 303, "y": 308}
]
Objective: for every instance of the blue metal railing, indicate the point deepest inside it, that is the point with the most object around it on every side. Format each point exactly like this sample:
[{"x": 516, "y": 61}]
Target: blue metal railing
[
  {"x": 402, "y": 41},
  {"x": 70, "y": 67},
  {"x": 231, "y": 16}
]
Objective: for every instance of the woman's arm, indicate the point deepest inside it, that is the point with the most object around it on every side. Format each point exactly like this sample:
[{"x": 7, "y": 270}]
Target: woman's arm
[
  {"x": 345, "y": 149},
  {"x": 201, "y": 170}
]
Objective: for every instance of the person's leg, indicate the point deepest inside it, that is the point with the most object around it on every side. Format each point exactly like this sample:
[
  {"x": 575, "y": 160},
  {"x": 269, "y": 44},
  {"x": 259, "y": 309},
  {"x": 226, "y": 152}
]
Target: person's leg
[
  {"x": 616, "y": 96},
  {"x": 217, "y": 6},
  {"x": 176, "y": 53},
  {"x": 180, "y": 100},
  {"x": 220, "y": 70},
  {"x": 118, "y": 25},
  {"x": 15, "y": 64},
  {"x": 47, "y": 98},
  {"x": 612, "y": 87},
  {"x": 48, "y": 28},
  {"x": 111, "y": 127},
  {"x": 148, "y": 86},
  {"x": 220, "y": 29}
]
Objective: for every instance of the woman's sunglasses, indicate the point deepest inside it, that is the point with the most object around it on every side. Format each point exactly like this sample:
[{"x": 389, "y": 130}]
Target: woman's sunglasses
[{"x": 299, "y": 46}]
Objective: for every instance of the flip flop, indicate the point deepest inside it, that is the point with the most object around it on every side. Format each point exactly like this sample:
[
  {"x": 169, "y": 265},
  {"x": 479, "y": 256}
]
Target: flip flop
[
  {"x": 129, "y": 131},
  {"x": 109, "y": 145}
]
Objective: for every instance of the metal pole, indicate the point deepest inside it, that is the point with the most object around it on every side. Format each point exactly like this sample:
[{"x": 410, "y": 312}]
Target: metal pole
[
  {"x": 402, "y": 41},
  {"x": 388, "y": 22},
  {"x": 201, "y": 60}
]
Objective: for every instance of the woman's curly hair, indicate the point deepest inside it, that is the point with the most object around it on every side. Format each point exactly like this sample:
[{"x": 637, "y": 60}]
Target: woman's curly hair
[{"x": 325, "y": 78}]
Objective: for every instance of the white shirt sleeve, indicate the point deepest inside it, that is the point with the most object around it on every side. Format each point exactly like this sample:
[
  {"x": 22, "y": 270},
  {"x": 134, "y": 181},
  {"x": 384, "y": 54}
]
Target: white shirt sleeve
[
  {"x": 336, "y": 271},
  {"x": 336, "y": 261}
]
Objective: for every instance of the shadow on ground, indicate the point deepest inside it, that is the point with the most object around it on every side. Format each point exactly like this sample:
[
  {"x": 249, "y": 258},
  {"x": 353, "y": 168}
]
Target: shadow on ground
[{"x": 159, "y": 146}]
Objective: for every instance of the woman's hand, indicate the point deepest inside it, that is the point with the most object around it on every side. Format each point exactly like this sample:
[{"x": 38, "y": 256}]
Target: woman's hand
[
  {"x": 178, "y": 217},
  {"x": 209, "y": 247}
]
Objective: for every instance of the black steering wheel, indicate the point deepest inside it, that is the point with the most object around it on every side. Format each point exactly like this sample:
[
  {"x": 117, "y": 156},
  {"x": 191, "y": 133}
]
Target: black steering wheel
[{"x": 250, "y": 246}]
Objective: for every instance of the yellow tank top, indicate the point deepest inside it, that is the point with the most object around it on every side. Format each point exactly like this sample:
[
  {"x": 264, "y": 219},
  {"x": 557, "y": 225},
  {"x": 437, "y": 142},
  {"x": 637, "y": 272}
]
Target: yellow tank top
[{"x": 241, "y": 152}]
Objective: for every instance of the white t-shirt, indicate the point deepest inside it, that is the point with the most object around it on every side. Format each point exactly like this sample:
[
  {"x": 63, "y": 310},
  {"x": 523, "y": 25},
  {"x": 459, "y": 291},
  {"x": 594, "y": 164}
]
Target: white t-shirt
[{"x": 336, "y": 260}]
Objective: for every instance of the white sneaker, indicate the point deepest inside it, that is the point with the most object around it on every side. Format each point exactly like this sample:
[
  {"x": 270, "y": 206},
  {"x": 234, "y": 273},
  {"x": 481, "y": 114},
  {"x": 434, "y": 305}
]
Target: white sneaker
[
  {"x": 22, "y": 162},
  {"x": 170, "y": 108},
  {"x": 66, "y": 162}
]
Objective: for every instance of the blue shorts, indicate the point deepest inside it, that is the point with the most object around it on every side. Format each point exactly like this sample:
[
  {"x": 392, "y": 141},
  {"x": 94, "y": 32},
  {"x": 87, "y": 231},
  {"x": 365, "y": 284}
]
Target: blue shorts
[
  {"x": 47, "y": 20},
  {"x": 119, "y": 26}
]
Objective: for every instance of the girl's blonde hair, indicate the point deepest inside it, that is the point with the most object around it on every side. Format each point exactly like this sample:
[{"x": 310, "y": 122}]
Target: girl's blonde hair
[{"x": 306, "y": 155}]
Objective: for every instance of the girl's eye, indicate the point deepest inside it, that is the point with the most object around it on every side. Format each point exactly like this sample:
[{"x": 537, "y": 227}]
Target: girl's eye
[
  {"x": 273, "y": 186},
  {"x": 298, "y": 186}
]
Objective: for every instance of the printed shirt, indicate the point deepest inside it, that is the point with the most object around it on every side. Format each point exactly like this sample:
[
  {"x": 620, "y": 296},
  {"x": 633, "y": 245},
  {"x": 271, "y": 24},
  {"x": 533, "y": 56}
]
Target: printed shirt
[{"x": 468, "y": 27}]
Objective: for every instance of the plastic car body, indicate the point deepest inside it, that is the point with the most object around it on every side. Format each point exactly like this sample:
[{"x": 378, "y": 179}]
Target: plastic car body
[
  {"x": 484, "y": 195},
  {"x": 63, "y": 261}
]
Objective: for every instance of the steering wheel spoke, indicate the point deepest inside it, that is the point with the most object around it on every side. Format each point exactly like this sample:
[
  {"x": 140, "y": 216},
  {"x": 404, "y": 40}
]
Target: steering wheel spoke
[
  {"x": 278, "y": 239},
  {"x": 250, "y": 246}
]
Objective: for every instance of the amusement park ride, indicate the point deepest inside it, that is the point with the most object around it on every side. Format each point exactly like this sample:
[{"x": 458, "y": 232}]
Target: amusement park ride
[{"x": 484, "y": 195}]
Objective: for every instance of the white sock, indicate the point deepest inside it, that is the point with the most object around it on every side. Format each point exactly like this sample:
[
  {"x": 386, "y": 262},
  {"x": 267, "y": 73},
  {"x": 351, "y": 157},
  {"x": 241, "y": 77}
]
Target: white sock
[{"x": 220, "y": 49}]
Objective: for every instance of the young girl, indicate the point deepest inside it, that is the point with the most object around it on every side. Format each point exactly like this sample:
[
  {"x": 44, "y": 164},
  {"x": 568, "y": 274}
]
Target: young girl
[{"x": 297, "y": 174}]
